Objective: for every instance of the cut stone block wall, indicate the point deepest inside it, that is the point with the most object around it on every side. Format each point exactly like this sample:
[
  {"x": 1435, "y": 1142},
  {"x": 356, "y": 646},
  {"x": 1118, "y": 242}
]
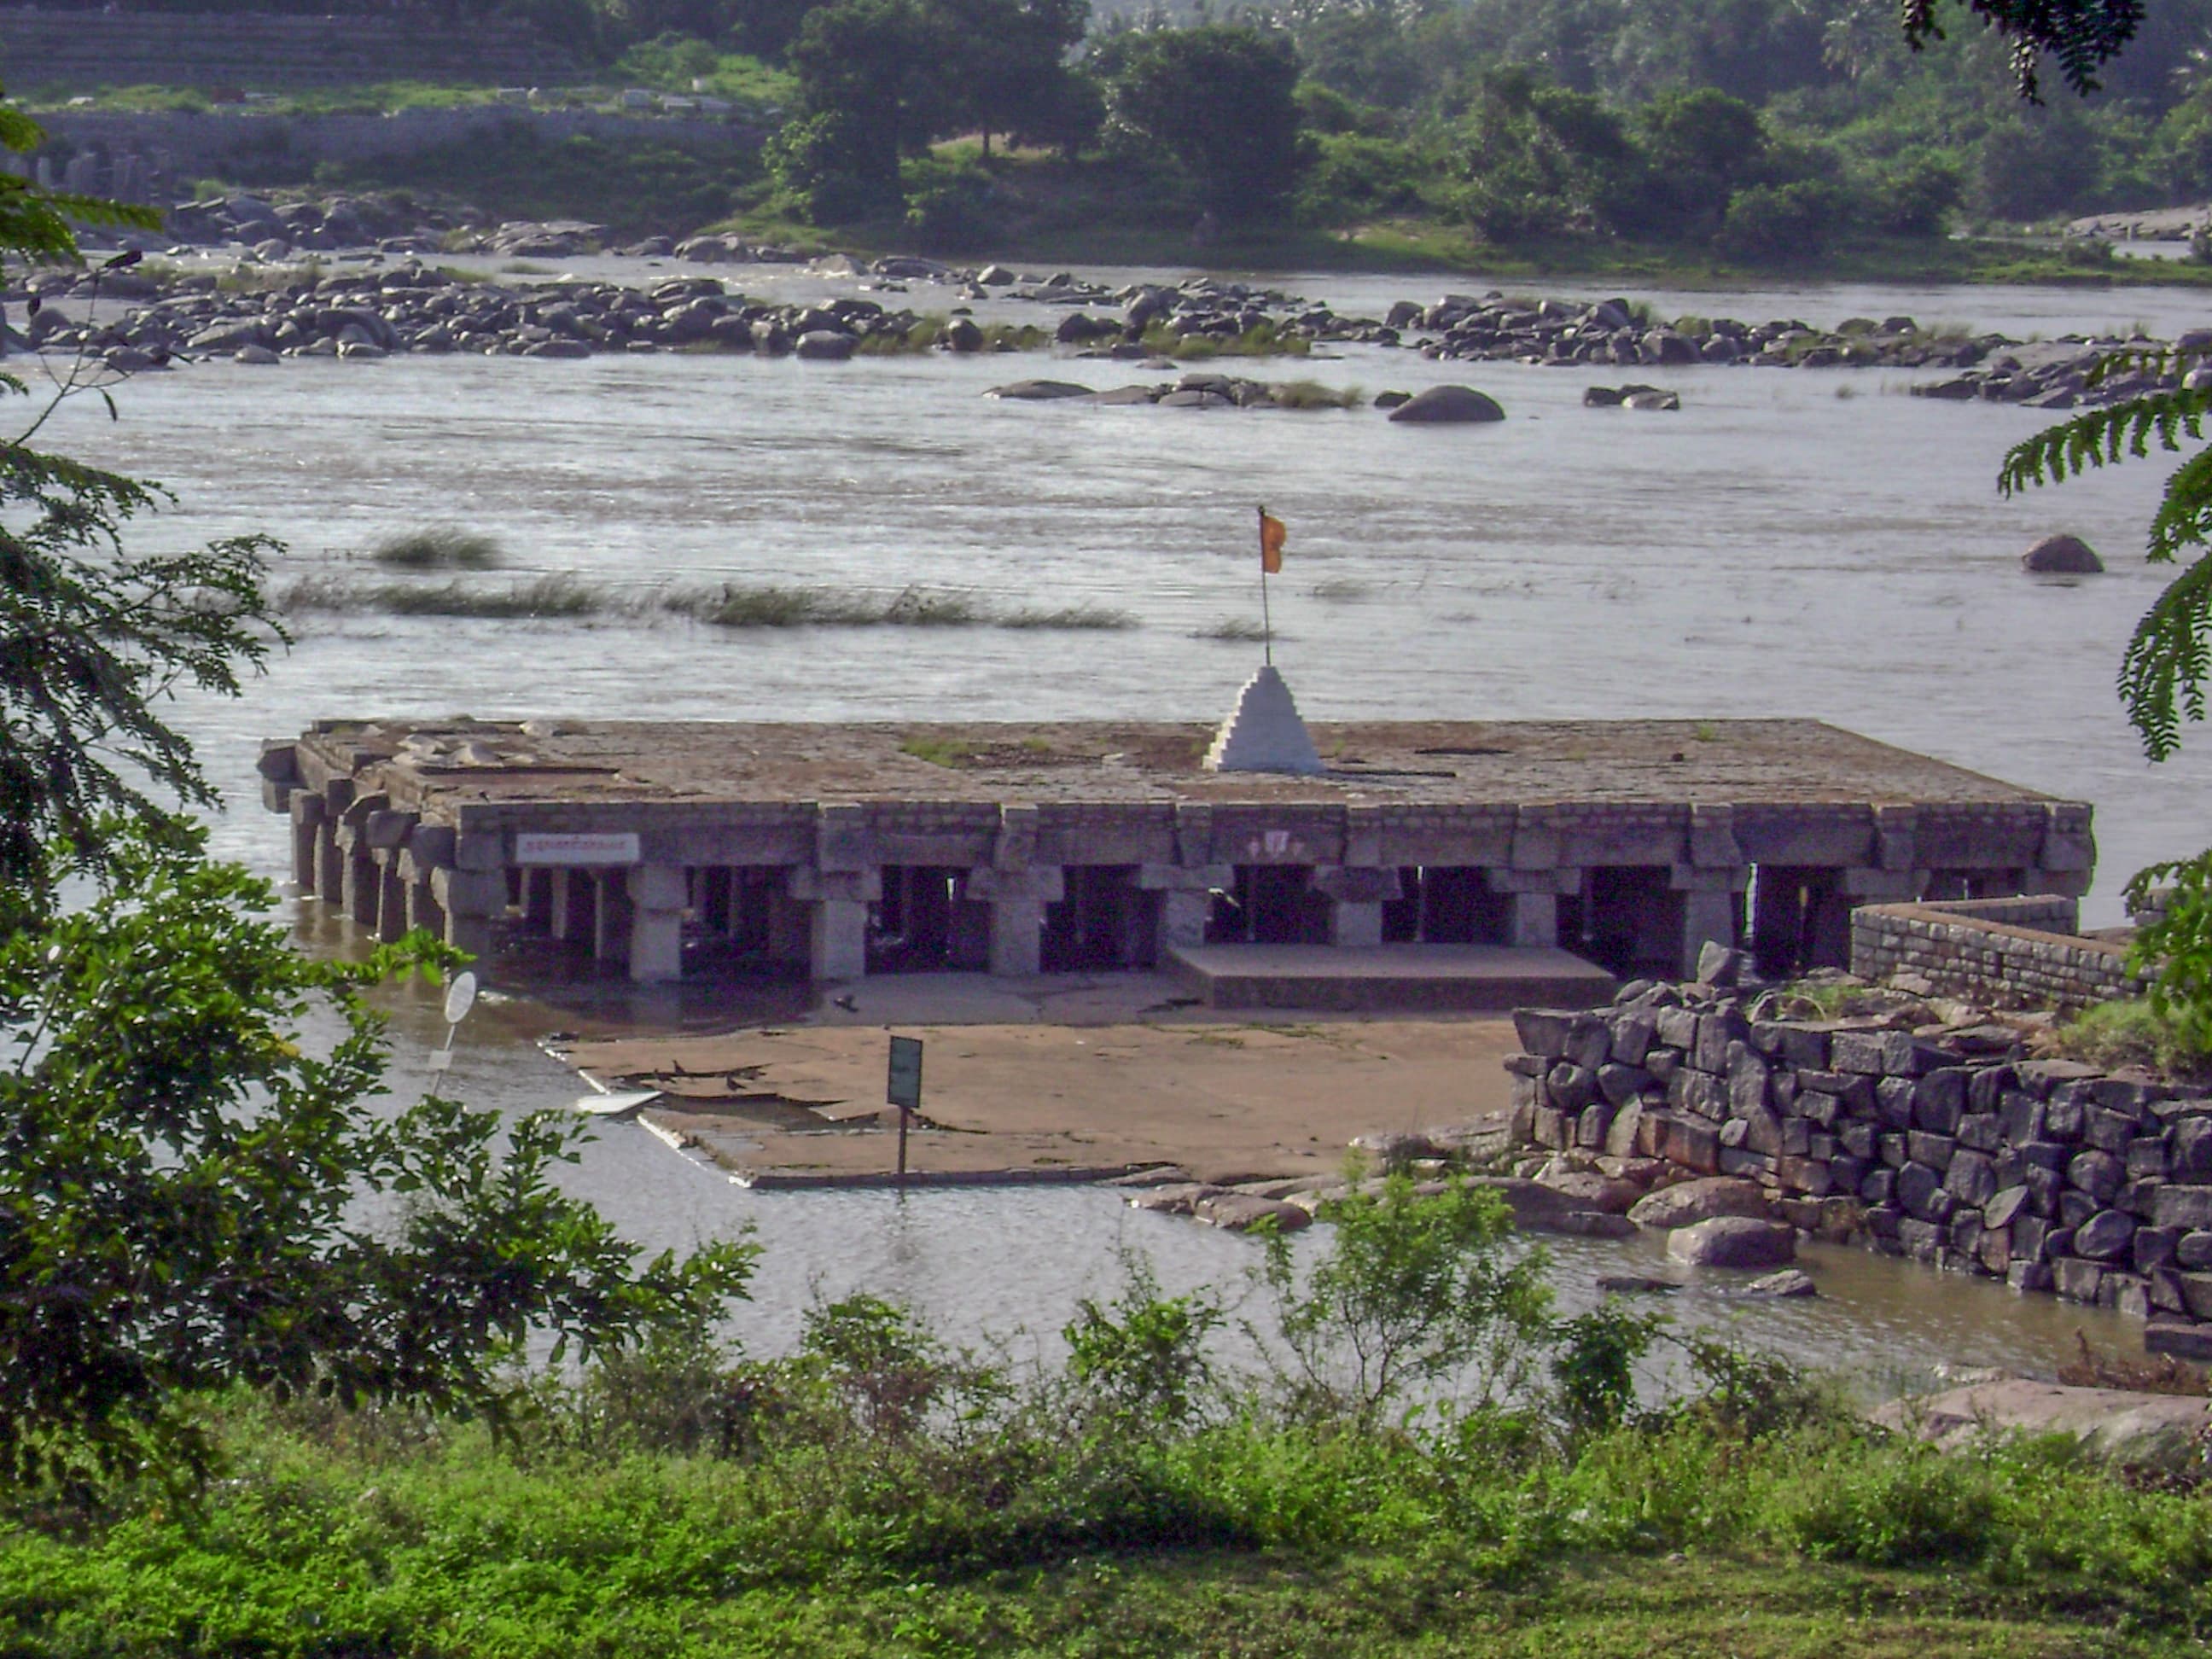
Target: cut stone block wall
[
  {"x": 2015, "y": 952},
  {"x": 1956, "y": 1151}
]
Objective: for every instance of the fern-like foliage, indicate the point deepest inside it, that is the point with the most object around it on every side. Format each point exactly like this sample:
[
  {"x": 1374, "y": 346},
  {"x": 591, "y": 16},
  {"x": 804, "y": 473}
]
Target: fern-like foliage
[
  {"x": 2164, "y": 672},
  {"x": 2079, "y": 35}
]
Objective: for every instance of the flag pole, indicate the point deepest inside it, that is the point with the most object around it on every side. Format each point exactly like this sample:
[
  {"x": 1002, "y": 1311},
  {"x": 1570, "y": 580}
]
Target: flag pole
[{"x": 1266, "y": 618}]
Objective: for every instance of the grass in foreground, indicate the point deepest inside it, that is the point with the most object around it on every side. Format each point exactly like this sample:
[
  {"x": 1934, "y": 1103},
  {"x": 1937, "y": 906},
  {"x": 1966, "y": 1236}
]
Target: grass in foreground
[
  {"x": 879, "y": 1493},
  {"x": 368, "y": 1539}
]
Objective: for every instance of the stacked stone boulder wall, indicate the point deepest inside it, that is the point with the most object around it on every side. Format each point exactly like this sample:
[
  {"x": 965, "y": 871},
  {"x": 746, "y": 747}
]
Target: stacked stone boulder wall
[{"x": 1943, "y": 1143}]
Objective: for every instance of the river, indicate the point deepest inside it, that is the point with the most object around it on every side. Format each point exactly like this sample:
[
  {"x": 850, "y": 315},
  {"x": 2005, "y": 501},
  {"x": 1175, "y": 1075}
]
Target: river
[{"x": 1800, "y": 542}]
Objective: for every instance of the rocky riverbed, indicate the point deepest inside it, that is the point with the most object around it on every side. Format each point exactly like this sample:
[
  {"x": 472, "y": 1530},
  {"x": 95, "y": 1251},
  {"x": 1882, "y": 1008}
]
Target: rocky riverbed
[{"x": 387, "y": 296}]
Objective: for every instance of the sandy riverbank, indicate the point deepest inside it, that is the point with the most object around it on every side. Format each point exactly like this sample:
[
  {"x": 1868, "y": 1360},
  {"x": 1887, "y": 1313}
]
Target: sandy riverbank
[{"x": 799, "y": 1104}]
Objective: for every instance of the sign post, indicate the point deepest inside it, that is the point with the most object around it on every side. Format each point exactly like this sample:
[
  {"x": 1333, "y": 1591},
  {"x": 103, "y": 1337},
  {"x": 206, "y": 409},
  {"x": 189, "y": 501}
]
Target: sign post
[{"x": 905, "y": 1089}]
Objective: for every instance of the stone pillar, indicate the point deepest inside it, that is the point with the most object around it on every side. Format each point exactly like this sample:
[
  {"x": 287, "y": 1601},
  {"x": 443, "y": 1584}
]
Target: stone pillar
[
  {"x": 1532, "y": 915},
  {"x": 1186, "y": 893},
  {"x": 1017, "y": 898},
  {"x": 1708, "y": 916},
  {"x": 575, "y": 901},
  {"x": 423, "y": 909},
  {"x": 1356, "y": 897},
  {"x": 789, "y": 928},
  {"x": 307, "y": 814},
  {"x": 537, "y": 907},
  {"x": 329, "y": 864},
  {"x": 657, "y": 894},
  {"x": 1531, "y": 921},
  {"x": 837, "y": 903},
  {"x": 361, "y": 884},
  {"x": 1710, "y": 907},
  {"x": 837, "y": 940},
  {"x": 1183, "y": 916},
  {"x": 391, "y": 898},
  {"x": 470, "y": 898},
  {"x": 610, "y": 916}
]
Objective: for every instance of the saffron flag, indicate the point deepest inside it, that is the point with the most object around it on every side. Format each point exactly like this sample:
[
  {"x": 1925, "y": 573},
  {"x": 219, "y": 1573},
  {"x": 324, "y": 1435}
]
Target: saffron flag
[{"x": 1272, "y": 536}]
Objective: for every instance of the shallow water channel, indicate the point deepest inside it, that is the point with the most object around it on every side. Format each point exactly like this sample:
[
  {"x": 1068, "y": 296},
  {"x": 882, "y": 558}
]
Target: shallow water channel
[{"x": 1805, "y": 543}]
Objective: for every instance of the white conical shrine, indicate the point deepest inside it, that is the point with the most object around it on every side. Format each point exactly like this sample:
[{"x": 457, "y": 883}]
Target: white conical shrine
[{"x": 1263, "y": 732}]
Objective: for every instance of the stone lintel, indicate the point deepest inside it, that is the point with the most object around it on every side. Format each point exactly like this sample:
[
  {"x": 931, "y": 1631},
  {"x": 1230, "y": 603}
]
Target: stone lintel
[
  {"x": 279, "y": 760},
  {"x": 468, "y": 892},
  {"x": 1882, "y": 886},
  {"x": 1194, "y": 832},
  {"x": 1014, "y": 847},
  {"x": 306, "y": 808},
  {"x": 1564, "y": 879},
  {"x": 1896, "y": 831},
  {"x": 1536, "y": 840},
  {"x": 842, "y": 841},
  {"x": 818, "y": 886},
  {"x": 356, "y": 810},
  {"x": 1197, "y": 877},
  {"x": 432, "y": 843},
  {"x": 1356, "y": 886},
  {"x": 1362, "y": 836},
  {"x": 1692, "y": 878},
  {"x": 1044, "y": 883},
  {"x": 479, "y": 850},
  {"x": 385, "y": 828},
  {"x": 1712, "y": 837}
]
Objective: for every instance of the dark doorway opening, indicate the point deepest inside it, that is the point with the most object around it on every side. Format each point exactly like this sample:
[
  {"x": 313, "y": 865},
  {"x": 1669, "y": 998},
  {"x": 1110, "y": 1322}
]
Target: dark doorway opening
[
  {"x": 1106, "y": 923},
  {"x": 1269, "y": 905}
]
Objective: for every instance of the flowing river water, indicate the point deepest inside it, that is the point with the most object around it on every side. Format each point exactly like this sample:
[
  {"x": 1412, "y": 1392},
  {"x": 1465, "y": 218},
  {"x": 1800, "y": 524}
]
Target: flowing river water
[{"x": 1801, "y": 542}]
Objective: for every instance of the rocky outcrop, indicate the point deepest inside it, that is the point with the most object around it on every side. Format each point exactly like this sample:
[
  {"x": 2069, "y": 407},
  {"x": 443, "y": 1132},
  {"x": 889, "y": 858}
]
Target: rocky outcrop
[
  {"x": 2117, "y": 1425},
  {"x": 1915, "y": 1128}
]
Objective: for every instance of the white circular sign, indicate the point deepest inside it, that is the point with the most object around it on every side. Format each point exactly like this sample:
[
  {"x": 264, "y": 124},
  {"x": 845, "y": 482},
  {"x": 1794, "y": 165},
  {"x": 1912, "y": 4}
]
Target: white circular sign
[{"x": 460, "y": 996}]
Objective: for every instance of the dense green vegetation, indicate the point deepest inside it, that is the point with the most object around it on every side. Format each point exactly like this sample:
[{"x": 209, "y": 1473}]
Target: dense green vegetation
[
  {"x": 879, "y": 1493},
  {"x": 1574, "y": 134}
]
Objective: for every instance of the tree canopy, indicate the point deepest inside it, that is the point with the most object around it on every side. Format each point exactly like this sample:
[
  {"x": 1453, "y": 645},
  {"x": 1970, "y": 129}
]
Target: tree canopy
[{"x": 199, "y": 1186}]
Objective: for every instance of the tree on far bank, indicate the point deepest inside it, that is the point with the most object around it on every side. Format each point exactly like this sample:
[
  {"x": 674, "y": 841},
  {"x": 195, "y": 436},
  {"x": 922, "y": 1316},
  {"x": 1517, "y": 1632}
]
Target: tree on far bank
[
  {"x": 874, "y": 85},
  {"x": 1008, "y": 63},
  {"x": 1219, "y": 100}
]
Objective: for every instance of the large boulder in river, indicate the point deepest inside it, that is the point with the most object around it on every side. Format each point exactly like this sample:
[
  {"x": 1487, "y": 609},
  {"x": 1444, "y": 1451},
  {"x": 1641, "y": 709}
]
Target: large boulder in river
[
  {"x": 826, "y": 345},
  {"x": 1449, "y": 403},
  {"x": 1734, "y": 1241},
  {"x": 2062, "y": 555},
  {"x": 1689, "y": 1202}
]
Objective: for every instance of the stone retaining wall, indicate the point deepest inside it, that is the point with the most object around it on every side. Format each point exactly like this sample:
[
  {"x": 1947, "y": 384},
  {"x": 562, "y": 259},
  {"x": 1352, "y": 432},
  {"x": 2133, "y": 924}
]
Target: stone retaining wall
[
  {"x": 1951, "y": 1149},
  {"x": 78, "y": 50},
  {"x": 2012, "y": 951},
  {"x": 180, "y": 145}
]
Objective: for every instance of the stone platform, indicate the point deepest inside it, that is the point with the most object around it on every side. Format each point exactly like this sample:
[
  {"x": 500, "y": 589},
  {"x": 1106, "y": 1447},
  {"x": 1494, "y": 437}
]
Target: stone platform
[
  {"x": 839, "y": 851},
  {"x": 1389, "y": 978}
]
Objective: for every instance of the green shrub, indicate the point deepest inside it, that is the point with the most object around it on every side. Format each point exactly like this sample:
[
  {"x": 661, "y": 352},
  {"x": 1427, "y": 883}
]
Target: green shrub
[{"x": 442, "y": 547}]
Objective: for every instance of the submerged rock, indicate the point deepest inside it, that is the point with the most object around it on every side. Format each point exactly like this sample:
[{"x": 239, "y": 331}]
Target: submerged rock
[
  {"x": 2062, "y": 555},
  {"x": 1734, "y": 1241},
  {"x": 1447, "y": 404},
  {"x": 1689, "y": 1202},
  {"x": 1790, "y": 1281},
  {"x": 1039, "y": 391}
]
